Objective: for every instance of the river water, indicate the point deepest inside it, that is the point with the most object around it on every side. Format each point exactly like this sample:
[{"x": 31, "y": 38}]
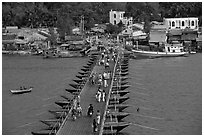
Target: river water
[{"x": 168, "y": 92}]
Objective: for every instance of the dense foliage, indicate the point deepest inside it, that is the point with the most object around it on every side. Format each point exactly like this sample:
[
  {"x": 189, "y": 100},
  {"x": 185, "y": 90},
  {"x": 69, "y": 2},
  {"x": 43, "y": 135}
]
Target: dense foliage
[{"x": 65, "y": 15}]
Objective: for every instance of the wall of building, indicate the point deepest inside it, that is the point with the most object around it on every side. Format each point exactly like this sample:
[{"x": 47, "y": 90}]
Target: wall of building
[
  {"x": 116, "y": 16},
  {"x": 181, "y": 23}
]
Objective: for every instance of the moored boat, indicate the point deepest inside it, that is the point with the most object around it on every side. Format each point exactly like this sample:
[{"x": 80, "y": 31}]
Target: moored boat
[
  {"x": 120, "y": 92},
  {"x": 20, "y": 91},
  {"x": 117, "y": 99},
  {"x": 118, "y": 126},
  {"x": 120, "y": 107},
  {"x": 118, "y": 115},
  {"x": 175, "y": 49}
]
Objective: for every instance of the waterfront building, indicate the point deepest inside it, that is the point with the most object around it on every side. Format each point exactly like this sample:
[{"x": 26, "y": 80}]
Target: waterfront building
[
  {"x": 117, "y": 16},
  {"x": 181, "y": 23}
]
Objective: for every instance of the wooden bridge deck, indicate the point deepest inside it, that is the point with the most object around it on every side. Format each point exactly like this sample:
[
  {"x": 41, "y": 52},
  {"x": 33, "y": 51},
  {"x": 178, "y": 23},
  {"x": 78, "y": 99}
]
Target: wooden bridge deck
[{"x": 83, "y": 124}]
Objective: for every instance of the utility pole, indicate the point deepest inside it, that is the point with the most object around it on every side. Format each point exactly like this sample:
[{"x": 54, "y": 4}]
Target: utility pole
[{"x": 82, "y": 24}]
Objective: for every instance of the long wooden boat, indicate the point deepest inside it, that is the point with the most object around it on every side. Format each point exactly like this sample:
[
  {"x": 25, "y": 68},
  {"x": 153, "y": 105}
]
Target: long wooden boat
[
  {"x": 50, "y": 122},
  {"x": 90, "y": 63},
  {"x": 20, "y": 91},
  {"x": 83, "y": 73},
  {"x": 122, "y": 78},
  {"x": 160, "y": 54},
  {"x": 72, "y": 90},
  {"x": 124, "y": 67},
  {"x": 120, "y": 92},
  {"x": 124, "y": 83},
  {"x": 124, "y": 73},
  {"x": 122, "y": 87},
  {"x": 76, "y": 86},
  {"x": 85, "y": 69},
  {"x": 67, "y": 98},
  {"x": 79, "y": 81},
  {"x": 118, "y": 115},
  {"x": 124, "y": 70},
  {"x": 119, "y": 99},
  {"x": 59, "y": 114},
  {"x": 119, "y": 107},
  {"x": 118, "y": 126},
  {"x": 43, "y": 132},
  {"x": 81, "y": 76},
  {"x": 63, "y": 103}
]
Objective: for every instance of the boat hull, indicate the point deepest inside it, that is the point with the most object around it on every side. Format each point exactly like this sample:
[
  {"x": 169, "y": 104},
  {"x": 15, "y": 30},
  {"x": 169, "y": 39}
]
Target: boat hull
[
  {"x": 21, "y": 91},
  {"x": 159, "y": 54}
]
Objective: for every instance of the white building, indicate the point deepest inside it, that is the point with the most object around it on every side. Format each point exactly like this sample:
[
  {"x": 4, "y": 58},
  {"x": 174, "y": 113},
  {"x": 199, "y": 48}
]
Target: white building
[
  {"x": 181, "y": 23},
  {"x": 117, "y": 16}
]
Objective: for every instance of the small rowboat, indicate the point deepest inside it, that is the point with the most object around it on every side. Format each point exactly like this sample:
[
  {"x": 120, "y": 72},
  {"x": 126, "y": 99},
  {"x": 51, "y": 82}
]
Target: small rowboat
[
  {"x": 120, "y": 107},
  {"x": 124, "y": 67},
  {"x": 63, "y": 103},
  {"x": 83, "y": 73},
  {"x": 59, "y": 114},
  {"x": 124, "y": 70},
  {"x": 120, "y": 92},
  {"x": 122, "y": 87},
  {"x": 122, "y": 78},
  {"x": 79, "y": 81},
  {"x": 46, "y": 132},
  {"x": 89, "y": 64},
  {"x": 91, "y": 61},
  {"x": 118, "y": 115},
  {"x": 20, "y": 91},
  {"x": 72, "y": 91},
  {"x": 76, "y": 86},
  {"x": 85, "y": 69},
  {"x": 119, "y": 99},
  {"x": 118, "y": 126},
  {"x": 50, "y": 121},
  {"x": 124, "y": 83},
  {"x": 67, "y": 98},
  {"x": 81, "y": 76},
  {"x": 124, "y": 73}
]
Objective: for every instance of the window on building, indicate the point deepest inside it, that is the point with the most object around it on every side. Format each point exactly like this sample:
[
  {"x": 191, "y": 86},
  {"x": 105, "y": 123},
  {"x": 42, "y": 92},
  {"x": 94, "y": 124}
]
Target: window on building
[
  {"x": 114, "y": 22},
  {"x": 173, "y": 24},
  {"x": 170, "y": 23},
  {"x": 183, "y": 23},
  {"x": 192, "y": 23},
  {"x": 114, "y": 15},
  {"x": 121, "y": 15}
]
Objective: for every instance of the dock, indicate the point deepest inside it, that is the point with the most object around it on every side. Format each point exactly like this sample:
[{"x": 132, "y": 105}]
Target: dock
[{"x": 111, "y": 110}]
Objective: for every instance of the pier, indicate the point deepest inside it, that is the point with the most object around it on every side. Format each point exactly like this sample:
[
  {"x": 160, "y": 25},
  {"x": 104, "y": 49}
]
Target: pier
[{"x": 111, "y": 109}]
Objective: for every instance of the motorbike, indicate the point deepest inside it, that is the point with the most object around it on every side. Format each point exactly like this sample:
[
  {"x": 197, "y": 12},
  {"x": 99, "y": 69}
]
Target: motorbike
[{"x": 90, "y": 112}]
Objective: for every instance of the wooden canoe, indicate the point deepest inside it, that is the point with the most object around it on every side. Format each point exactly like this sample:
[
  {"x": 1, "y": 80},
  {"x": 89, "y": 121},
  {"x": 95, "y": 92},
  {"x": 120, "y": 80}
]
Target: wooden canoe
[
  {"x": 21, "y": 91},
  {"x": 118, "y": 115},
  {"x": 119, "y": 107},
  {"x": 118, "y": 98},
  {"x": 120, "y": 92},
  {"x": 72, "y": 90},
  {"x": 63, "y": 103},
  {"x": 79, "y": 81},
  {"x": 67, "y": 98},
  {"x": 45, "y": 132},
  {"x": 50, "y": 122},
  {"x": 122, "y": 87},
  {"x": 76, "y": 86},
  {"x": 118, "y": 126}
]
